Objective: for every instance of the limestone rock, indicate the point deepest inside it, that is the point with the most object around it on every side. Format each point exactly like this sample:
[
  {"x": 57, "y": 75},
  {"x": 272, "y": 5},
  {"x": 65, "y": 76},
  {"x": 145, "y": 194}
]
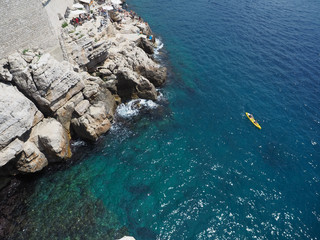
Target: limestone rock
[
  {"x": 146, "y": 90},
  {"x": 130, "y": 84},
  {"x": 97, "y": 92},
  {"x": 127, "y": 238},
  {"x": 97, "y": 55},
  {"x": 28, "y": 56},
  {"x": 90, "y": 90},
  {"x": 48, "y": 82},
  {"x": 56, "y": 82},
  {"x": 10, "y": 152},
  {"x": 73, "y": 92},
  {"x": 17, "y": 114},
  {"x": 92, "y": 124},
  {"x": 104, "y": 72},
  {"x": 111, "y": 31},
  {"x": 82, "y": 107},
  {"x": 31, "y": 159},
  {"x": 145, "y": 45},
  {"x": 52, "y": 139},
  {"x": 144, "y": 28},
  {"x": 86, "y": 52},
  {"x": 77, "y": 51},
  {"x": 111, "y": 85},
  {"x": 157, "y": 76},
  {"x": 5, "y": 74},
  {"x": 115, "y": 16},
  {"x": 136, "y": 59},
  {"x": 21, "y": 74},
  {"x": 64, "y": 114}
]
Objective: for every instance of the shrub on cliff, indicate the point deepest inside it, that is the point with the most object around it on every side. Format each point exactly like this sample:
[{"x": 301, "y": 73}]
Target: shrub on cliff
[{"x": 64, "y": 24}]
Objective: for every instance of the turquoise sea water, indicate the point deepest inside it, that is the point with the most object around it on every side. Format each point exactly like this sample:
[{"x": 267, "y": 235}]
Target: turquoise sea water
[{"x": 195, "y": 167}]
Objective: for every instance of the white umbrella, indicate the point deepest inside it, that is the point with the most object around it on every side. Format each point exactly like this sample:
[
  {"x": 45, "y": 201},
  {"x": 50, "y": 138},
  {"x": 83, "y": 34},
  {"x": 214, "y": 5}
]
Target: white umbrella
[
  {"x": 76, "y": 13},
  {"x": 108, "y": 7},
  {"x": 85, "y": 1},
  {"x": 78, "y": 5},
  {"x": 116, "y": 2}
]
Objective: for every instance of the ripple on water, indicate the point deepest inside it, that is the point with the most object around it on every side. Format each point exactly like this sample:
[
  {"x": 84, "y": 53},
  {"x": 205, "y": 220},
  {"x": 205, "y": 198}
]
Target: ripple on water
[{"x": 191, "y": 166}]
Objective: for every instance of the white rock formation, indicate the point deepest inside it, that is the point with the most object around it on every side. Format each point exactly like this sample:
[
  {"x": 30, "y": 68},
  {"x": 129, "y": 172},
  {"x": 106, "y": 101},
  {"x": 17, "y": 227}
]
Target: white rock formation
[
  {"x": 31, "y": 159},
  {"x": 48, "y": 82},
  {"x": 54, "y": 101},
  {"x": 92, "y": 124},
  {"x": 5, "y": 74},
  {"x": 17, "y": 114},
  {"x": 10, "y": 152},
  {"x": 52, "y": 139},
  {"x": 130, "y": 84},
  {"x": 127, "y": 238}
]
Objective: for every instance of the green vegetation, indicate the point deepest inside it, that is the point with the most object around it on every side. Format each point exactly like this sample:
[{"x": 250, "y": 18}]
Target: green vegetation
[
  {"x": 64, "y": 24},
  {"x": 25, "y": 51}
]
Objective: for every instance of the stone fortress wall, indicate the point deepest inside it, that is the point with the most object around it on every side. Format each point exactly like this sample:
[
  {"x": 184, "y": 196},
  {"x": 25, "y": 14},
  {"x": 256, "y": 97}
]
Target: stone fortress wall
[{"x": 31, "y": 23}]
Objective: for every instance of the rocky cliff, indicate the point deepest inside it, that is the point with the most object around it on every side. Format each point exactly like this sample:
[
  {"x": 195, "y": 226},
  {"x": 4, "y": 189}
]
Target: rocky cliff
[{"x": 45, "y": 103}]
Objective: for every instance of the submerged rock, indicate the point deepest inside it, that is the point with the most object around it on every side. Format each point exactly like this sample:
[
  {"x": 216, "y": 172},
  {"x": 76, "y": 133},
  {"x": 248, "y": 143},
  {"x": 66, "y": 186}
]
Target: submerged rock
[
  {"x": 85, "y": 214},
  {"x": 146, "y": 233}
]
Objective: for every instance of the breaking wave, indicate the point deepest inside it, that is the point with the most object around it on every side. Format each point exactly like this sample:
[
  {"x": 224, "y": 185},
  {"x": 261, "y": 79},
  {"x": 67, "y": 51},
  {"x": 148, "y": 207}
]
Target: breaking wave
[
  {"x": 159, "y": 45},
  {"x": 133, "y": 107}
]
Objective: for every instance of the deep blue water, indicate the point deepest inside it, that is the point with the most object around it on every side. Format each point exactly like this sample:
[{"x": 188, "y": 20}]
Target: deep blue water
[{"x": 196, "y": 168}]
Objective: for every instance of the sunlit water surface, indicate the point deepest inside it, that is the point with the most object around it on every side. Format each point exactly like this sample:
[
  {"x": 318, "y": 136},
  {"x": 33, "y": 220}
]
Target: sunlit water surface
[{"x": 192, "y": 166}]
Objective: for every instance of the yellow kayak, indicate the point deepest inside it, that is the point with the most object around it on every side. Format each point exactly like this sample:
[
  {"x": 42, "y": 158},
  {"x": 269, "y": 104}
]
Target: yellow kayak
[{"x": 251, "y": 118}]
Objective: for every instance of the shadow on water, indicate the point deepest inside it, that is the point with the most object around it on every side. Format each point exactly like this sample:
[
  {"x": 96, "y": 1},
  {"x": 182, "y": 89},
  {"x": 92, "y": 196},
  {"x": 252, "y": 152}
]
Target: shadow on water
[
  {"x": 86, "y": 217},
  {"x": 273, "y": 154},
  {"x": 145, "y": 233},
  {"x": 139, "y": 189},
  {"x": 141, "y": 233}
]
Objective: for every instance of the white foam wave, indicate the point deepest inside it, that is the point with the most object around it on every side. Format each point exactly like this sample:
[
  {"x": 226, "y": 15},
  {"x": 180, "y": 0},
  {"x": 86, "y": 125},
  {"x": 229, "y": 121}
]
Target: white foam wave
[
  {"x": 160, "y": 96},
  {"x": 159, "y": 45},
  {"x": 120, "y": 131},
  {"x": 78, "y": 143},
  {"x": 115, "y": 127},
  {"x": 133, "y": 107}
]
